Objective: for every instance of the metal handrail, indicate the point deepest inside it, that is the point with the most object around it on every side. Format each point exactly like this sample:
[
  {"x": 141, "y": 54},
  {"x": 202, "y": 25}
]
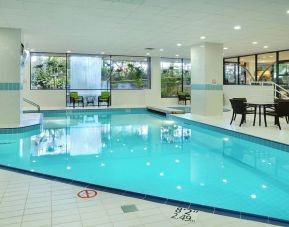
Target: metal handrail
[
  {"x": 32, "y": 103},
  {"x": 275, "y": 86}
]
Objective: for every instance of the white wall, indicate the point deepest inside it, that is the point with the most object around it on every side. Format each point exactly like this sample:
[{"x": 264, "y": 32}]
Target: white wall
[{"x": 253, "y": 93}]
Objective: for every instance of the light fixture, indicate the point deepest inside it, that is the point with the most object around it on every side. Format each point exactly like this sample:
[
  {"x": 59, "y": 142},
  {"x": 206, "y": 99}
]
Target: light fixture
[
  {"x": 264, "y": 186},
  {"x": 225, "y": 48},
  {"x": 148, "y": 53},
  {"x": 177, "y": 55},
  {"x": 68, "y": 51},
  {"x": 203, "y": 37},
  {"x": 287, "y": 11},
  {"x": 102, "y": 52},
  {"x": 225, "y": 181},
  {"x": 265, "y": 46},
  {"x": 237, "y": 27},
  {"x": 148, "y": 164},
  {"x": 162, "y": 174},
  {"x": 177, "y": 160},
  {"x": 32, "y": 50},
  {"x": 226, "y": 139},
  {"x": 179, "y": 187},
  {"x": 179, "y": 44},
  {"x": 161, "y": 49},
  {"x": 202, "y": 46},
  {"x": 255, "y": 42},
  {"x": 102, "y": 164},
  {"x": 68, "y": 167}
]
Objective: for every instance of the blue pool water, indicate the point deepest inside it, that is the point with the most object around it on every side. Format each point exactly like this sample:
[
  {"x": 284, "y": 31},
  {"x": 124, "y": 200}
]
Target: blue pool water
[{"x": 142, "y": 152}]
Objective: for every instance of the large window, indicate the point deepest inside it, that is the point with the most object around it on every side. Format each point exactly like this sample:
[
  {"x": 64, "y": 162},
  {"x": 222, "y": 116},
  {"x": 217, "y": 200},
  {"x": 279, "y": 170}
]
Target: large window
[
  {"x": 129, "y": 72},
  {"x": 262, "y": 67},
  {"x": 85, "y": 73},
  {"x": 48, "y": 71},
  {"x": 175, "y": 76}
]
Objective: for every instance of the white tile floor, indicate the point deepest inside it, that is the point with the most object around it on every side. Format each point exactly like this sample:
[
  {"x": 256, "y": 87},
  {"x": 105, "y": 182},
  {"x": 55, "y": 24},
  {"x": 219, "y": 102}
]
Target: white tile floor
[
  {"x": 31, "y": 201},
  {"x": 271, "y": 132}
]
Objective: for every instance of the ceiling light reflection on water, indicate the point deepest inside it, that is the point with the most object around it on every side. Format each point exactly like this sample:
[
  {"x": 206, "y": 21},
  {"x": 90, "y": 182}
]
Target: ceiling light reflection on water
[{"x": 149, "y": 154}]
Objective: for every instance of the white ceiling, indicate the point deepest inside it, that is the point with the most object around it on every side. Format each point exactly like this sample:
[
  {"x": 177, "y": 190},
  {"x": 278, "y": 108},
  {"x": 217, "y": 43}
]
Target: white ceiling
[{"x": 128, "y": 26}]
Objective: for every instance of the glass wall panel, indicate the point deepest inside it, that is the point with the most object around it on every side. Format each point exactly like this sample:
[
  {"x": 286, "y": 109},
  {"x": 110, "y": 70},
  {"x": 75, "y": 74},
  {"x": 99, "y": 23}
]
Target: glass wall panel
[
  {"x": 171, "y": 77},
  {"x": 130, "y": 72},
  {"x": 247, "y": 69},
  {"x": 283, "y": 77},
  {"x": 48, "y": 71},
  {"x": 187, "y": 76},
  {"x": 231, "y": 71},
  {"x": 266, "y": 67}
]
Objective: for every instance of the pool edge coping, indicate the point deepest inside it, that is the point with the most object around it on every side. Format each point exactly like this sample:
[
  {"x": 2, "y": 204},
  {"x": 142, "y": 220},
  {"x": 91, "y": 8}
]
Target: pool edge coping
[{"x": 156, "y": 199}]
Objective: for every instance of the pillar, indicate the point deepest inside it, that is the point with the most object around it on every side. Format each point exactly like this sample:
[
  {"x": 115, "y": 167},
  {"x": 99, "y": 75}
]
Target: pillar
[
  {"x": 10, "y": 84},
  {"x": 153, "y": 95},
  {"x": 207, "y": 79}
]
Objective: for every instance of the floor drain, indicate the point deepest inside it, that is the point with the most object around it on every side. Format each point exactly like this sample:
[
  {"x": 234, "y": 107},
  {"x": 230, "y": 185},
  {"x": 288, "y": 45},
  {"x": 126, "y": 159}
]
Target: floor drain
[{"x": 129, "y": 208}]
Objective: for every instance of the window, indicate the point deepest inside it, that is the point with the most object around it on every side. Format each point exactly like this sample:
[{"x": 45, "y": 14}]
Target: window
[
  {"x": 266, "y": 67},
  {"x": 247, "y": 69},
  {"x": 129, "y": 72},
  {"x": 48, "y": 71},
  {"x": 84, "y": 73},
  {"x": 231, "y": 71},
  {"x": 175, "y": 76}
]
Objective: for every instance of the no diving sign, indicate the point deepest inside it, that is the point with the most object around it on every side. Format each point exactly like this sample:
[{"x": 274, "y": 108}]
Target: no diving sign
[{"x": 87, "y": 194}]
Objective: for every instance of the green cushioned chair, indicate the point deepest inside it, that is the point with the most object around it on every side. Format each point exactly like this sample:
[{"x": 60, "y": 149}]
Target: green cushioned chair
[
  {"x": 104, "y": 97},
  {"x": 75, "y": 98}
]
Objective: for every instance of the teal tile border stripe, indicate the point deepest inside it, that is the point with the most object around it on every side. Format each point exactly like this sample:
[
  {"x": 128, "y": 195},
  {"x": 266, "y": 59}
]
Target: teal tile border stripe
[
  {"x": 10, "y": 86},
  {"x": 211, "y": 87}
]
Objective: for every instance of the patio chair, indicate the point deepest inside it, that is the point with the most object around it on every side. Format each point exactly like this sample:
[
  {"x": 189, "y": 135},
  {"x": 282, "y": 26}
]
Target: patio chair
[
  {"x": 281, "y": 110},
  {"x": 75, "y": 98},
  {"x": 104, "y": 97},
  {"x": 184, "y": 96},
  {"x": 240, "y": 107}
]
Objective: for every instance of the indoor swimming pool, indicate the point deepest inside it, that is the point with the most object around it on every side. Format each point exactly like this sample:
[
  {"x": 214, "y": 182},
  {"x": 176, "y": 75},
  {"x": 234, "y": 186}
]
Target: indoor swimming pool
[{"x": 139, "y": 151}]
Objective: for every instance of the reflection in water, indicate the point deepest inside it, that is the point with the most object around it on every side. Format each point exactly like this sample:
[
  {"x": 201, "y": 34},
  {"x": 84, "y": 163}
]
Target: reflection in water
[
  {"x": 82, "y": 135},
  {"x": 174, "y": 133}
]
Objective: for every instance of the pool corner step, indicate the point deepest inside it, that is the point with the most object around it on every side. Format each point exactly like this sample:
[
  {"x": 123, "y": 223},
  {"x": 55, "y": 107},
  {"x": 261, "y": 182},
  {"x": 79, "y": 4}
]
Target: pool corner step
[{"x": 164, "y": 110}]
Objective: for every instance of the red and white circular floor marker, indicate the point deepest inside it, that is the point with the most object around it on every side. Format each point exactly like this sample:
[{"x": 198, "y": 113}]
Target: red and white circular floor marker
[{"x": 87, "y": 194}]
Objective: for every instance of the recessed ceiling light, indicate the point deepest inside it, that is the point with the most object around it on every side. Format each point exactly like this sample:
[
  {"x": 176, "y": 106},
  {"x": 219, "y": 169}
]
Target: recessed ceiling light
[
  {"x": 102, "y": 52},
  {"x": 161, "y": 49},
  {"x": 148, "y": 53},
  {"x": 177, "y": 55},
  {"x": 203, "y": 37},
  {"x": 255, "y": 42},
  {"x": 179, "y": 44},
  {"x": 31, "y": 49},
  {"x": 237, "y": 27},
  {"x": 265, "y": 47},
  {"x": 68, "y": 51},
  {"x": 287, "y": 11},
  {"x": 225, "y": 48}
]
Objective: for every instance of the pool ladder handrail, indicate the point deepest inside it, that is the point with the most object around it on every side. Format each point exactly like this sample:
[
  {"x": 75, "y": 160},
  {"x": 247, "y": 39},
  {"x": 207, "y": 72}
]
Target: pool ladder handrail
[{"x": 32, "y": 103}]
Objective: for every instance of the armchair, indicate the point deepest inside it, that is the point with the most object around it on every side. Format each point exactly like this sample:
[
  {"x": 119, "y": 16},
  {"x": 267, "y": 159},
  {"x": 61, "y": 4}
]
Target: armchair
[
  {"x": 74, "y": 97},
  {"x": 104, "y": 97}
]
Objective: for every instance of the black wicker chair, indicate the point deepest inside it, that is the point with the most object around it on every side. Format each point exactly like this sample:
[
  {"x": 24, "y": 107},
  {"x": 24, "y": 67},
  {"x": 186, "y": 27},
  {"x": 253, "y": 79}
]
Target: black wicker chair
[
  {"x": 281, "y": 109},
  {"x": 239, "y": 106}
]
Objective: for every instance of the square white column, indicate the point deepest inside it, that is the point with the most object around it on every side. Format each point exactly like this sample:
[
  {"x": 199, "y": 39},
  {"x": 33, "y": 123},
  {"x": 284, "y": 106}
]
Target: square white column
[{"x": 207, "y": 79}]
